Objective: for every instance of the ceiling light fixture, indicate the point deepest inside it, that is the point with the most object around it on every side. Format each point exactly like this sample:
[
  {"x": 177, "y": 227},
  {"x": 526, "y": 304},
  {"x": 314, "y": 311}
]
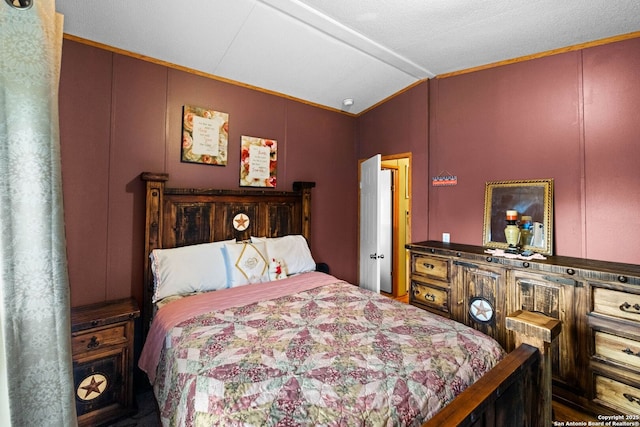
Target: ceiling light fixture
[{"x": 347, "y": 102}]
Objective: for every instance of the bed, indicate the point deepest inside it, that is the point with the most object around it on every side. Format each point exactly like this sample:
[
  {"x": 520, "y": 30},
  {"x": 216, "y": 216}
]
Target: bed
[{"x": 279, "y": 341}]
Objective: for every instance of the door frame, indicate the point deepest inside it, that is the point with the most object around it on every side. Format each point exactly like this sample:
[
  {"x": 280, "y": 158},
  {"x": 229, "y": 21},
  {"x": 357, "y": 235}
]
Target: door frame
[{"x": 400, "y": 256}]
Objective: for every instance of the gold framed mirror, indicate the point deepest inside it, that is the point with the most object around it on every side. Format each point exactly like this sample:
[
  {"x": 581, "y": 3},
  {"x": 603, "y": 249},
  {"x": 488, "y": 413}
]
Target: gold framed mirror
[{"x": 531, "y": 199}]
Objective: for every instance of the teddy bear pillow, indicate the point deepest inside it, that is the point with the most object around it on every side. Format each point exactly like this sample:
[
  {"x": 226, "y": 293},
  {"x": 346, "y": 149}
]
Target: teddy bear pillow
[{"x": 277, "y": 270}]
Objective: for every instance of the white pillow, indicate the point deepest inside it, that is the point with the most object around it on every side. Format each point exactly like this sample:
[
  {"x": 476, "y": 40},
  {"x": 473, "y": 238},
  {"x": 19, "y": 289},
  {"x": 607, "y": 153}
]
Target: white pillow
[
  {"x": 194, "y": 268},
  {"x": 246, "y": 263},
  {"x": 292, "y": 250}
]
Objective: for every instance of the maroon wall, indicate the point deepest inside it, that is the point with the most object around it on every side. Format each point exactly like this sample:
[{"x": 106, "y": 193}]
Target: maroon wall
[
  {"x": 612, "y": 151},
  {"x": 399, "y": 126},
  {"x": 120, "y": 116},
  {"x": 573, "y": 117},
  {"x": 519, "y": 121}
]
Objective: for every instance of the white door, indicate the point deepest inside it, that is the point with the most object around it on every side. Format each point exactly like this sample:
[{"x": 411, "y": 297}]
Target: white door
[
  {"x": 370, "y": 223},
  {"x": 385, "y": 246}
]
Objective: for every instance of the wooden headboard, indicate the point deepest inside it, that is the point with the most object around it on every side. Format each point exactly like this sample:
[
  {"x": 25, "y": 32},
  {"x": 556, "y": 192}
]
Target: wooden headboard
[{"x": 185, "y": 216}]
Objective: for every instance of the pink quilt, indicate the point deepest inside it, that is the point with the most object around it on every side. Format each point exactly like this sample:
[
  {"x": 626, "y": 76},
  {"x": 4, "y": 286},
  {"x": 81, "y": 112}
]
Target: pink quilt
[{"x": 308, "y": 350}]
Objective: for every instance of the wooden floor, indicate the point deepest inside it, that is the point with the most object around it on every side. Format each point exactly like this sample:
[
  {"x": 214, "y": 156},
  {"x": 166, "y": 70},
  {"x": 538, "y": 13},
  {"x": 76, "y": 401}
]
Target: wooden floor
[
  {"x": 560, "y": 412},
  {"x": 404, "y": 298},
  {"x": 565, "y": 413}
]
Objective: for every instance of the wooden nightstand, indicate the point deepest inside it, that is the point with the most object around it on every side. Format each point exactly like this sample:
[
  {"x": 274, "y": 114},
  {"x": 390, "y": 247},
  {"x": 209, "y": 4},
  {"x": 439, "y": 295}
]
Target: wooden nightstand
[{"x": 102, "y": 345}]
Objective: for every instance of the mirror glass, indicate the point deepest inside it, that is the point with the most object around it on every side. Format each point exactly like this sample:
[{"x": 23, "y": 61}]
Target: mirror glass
[{"x": 533, "y": 202}]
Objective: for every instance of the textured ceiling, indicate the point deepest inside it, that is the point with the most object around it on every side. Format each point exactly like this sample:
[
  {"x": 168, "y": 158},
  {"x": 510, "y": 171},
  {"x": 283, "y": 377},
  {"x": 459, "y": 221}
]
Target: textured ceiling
[{"x": 323, "y": 51}]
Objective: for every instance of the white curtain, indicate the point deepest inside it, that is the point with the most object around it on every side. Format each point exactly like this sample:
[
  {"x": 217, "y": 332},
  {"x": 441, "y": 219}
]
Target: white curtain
[{"x": 36, "y": 384}]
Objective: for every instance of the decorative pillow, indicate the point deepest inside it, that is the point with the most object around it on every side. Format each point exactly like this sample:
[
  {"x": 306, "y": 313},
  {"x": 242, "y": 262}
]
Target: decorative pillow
[
  {"x": 277, "y": 270},
  {"x": 194, "y": 268},
  {"x": 246, "y": 263},
  {"x": 293, "y": 251}
]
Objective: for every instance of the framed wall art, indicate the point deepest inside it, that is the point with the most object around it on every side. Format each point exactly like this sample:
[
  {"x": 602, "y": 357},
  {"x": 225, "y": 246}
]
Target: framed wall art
[
  {"x": 205, "y": 135},
  {"x": 258, "y": 162},
  {"x": 530, "y": 202}
]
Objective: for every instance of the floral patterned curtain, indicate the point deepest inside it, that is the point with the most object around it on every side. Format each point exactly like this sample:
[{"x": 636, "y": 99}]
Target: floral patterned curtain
[{"x": 36, "y": 381}]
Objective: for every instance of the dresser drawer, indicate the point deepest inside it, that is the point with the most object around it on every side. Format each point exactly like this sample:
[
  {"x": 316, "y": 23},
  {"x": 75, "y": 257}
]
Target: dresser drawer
[
  {"x": 430, "y": 295},
  {"x": 617, "y": 304},
  {"x": 615, "y": 394},
  {"x": 97, "y": 339},
  {"x": 434, "y": 267},
  {"x": 618, "y": 349}
]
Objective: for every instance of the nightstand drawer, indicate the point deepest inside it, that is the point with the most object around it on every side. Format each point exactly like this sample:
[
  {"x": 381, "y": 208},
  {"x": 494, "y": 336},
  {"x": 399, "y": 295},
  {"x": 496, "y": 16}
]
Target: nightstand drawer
[
  {"x": 617, "y": 304},
  {"x": 618, "y": 349},
  {"x": 430, "y": 295},
  {"x": 437, "y": 268},
  {"x": 623, "y": 397},
  {"x": 97, "y": 339}
]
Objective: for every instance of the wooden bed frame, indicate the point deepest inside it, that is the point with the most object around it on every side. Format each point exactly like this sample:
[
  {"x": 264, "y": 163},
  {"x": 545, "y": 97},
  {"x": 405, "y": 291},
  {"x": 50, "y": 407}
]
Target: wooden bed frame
[{"x": 515, "y": 392}]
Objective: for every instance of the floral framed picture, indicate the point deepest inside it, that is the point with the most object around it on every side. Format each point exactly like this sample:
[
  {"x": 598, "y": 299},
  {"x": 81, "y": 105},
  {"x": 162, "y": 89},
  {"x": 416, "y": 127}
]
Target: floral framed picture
[
  {"x": 258, "y": 162},
  {"x": 205, "y": 135}
]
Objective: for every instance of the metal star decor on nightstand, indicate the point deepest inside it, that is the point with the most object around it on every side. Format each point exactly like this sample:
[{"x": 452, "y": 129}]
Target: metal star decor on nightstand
[{"x": 90, "y": 388}]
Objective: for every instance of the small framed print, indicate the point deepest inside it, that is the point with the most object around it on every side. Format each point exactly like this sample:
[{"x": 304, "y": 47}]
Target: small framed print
[
  {"x": 205, "y": 135},
  {"x": 258, "y": 162}
]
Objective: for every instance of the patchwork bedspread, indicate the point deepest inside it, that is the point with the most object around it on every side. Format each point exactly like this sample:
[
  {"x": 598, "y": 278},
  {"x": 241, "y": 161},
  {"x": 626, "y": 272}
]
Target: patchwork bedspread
[{"x": 331, "y": 355}]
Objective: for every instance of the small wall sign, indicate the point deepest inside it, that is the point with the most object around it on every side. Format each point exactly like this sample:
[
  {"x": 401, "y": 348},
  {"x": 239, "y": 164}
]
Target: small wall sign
[{"x": 444, "y": 179}]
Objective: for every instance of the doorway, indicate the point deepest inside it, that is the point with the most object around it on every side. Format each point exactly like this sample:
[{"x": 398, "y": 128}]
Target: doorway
[{"x": 399, "y": 165}]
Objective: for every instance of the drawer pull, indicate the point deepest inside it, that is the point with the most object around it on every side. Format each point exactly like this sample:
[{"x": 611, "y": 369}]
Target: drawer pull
[
  {"x": 632, "y": 398},
  {"x": 427, "y": 265},
  {"x": 428, "y": 296},
  {"x": 622, "y": 279},
  {"x": 630, "y": 352},
  {"x": 626, "y": 307},
  {"x": 94, "y": 343}
]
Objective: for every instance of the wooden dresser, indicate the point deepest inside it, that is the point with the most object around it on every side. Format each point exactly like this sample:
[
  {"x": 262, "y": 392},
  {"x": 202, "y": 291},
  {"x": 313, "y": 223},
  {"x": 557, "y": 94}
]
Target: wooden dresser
[
  {"x": 596, "y": 359},
  {"x": 102, "y": 346}
]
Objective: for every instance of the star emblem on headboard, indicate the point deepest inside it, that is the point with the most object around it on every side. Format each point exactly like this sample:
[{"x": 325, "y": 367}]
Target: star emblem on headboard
[{"x": 241, "y": 222}]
